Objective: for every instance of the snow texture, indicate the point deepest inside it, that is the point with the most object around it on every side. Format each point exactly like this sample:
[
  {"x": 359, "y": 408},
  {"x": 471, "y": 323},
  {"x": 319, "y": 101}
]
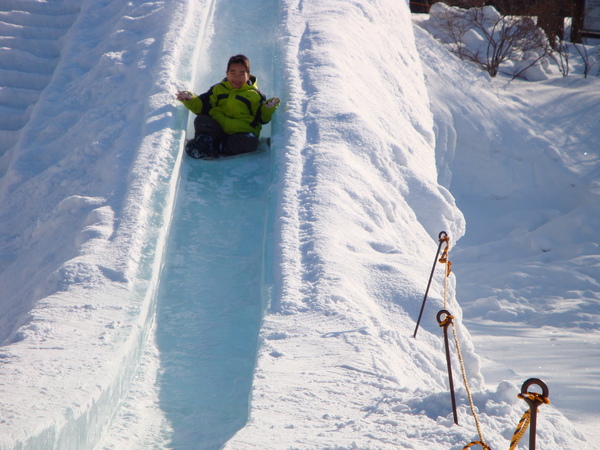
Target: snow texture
[{"x": 269, "y": 301}]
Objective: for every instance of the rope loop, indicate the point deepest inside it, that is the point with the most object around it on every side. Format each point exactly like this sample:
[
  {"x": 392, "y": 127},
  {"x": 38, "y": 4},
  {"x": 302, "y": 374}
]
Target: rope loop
[
  {"x": 447, "y": 320},
  {"x": 484, "y": 446},
  {"x": 534, "y": 397},
  {"x": 444, "y": 258},
  {"x": 443, "y": 238}
]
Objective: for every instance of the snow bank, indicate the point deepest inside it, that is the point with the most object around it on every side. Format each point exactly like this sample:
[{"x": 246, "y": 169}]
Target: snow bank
[
  {"x": 518, "y": 46},
  {"x": 365, "y": 151},
  {"x": 85, "y": 199},
  {"x": 521, "y": 159},
  {"x": 360, "y": 208}
]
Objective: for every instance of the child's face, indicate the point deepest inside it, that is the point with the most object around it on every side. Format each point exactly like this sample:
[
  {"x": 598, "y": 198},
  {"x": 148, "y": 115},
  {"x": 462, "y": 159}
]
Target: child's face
[{"x": 237, "y": 75}]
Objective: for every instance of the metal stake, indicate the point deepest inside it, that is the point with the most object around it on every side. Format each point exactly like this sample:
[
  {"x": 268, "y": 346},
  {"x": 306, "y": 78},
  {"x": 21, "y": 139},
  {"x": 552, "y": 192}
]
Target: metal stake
[
  {"x": 534, "y": 401},
  {"x": 445, "y": 322},
  {"x": 442, "y": 238}
]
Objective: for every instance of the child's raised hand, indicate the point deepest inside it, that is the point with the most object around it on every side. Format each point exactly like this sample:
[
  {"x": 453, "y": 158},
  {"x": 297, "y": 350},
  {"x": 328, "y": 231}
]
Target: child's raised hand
[
  {"x": 183, "y": 96},
  {"x": 272, "y": 102}
]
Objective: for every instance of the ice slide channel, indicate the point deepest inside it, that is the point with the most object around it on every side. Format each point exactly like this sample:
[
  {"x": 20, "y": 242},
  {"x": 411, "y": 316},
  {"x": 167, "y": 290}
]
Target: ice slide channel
[
  {"x": 210, "y": 294},
  {"x": 210, "y": 298}
]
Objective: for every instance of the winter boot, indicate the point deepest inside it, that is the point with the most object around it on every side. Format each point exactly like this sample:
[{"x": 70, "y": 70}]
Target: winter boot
[{"x": 202, "y": 146}]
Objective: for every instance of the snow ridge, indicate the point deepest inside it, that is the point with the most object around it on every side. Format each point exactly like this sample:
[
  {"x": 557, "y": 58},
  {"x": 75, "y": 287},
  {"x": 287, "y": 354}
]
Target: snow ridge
[
  {"x": 342, "y": 333},
  {"x": 31, "y": 39},
  {"x": 86, "y": 197}
]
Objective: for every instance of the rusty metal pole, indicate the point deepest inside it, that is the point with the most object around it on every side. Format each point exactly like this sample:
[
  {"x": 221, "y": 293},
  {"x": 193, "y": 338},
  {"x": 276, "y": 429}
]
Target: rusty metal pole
[
  {"x": 534, "y": 401},
  {"x": 445, "y": 323},
  {"x": 442, "y": 238}
]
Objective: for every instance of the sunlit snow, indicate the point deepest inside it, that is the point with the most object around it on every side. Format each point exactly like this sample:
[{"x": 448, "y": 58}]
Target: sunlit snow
[{"x": 269, "y": 301}]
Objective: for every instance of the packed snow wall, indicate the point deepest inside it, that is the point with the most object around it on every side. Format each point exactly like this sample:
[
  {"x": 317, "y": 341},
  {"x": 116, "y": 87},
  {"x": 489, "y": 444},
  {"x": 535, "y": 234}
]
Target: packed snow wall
[
  {"x": 87, "y": 190},
  {"x": 358, "y": 210}
]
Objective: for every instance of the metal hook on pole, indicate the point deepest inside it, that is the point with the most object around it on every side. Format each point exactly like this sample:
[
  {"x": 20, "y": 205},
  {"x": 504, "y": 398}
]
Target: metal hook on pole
[
  {"x": 442, "y": 237},
  {"x": 534, "y": 400},
  {"x": 445, "y": 322}
]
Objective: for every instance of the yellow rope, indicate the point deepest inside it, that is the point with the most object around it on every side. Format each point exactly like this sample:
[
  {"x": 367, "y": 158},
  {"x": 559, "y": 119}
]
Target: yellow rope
[
  {"x": 534, "y": 396},
  {"x": 466, "y": 382},
  {"x": 445, "y": 260},
  {"x": 526, "y": 419},
  {"x": 521, "y": 429},
  {"x": 484, "y": 446},
  {"x": 447, "y": 320},
  {"x": 444, "y": 256}
]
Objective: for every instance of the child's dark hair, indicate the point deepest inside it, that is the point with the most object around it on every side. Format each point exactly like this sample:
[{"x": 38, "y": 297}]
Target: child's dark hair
[{"x": 239, "y": 59}]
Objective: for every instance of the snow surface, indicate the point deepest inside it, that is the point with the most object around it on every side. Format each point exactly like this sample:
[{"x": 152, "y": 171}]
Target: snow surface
[{"x": 269, "y": 301}]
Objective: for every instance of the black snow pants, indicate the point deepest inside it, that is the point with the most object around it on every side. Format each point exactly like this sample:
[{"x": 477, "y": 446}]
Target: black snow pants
[{"x": 228, "y": 144}]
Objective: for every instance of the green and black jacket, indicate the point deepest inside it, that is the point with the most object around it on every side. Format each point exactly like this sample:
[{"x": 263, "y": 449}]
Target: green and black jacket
[{"x": 236, "y": 110}]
